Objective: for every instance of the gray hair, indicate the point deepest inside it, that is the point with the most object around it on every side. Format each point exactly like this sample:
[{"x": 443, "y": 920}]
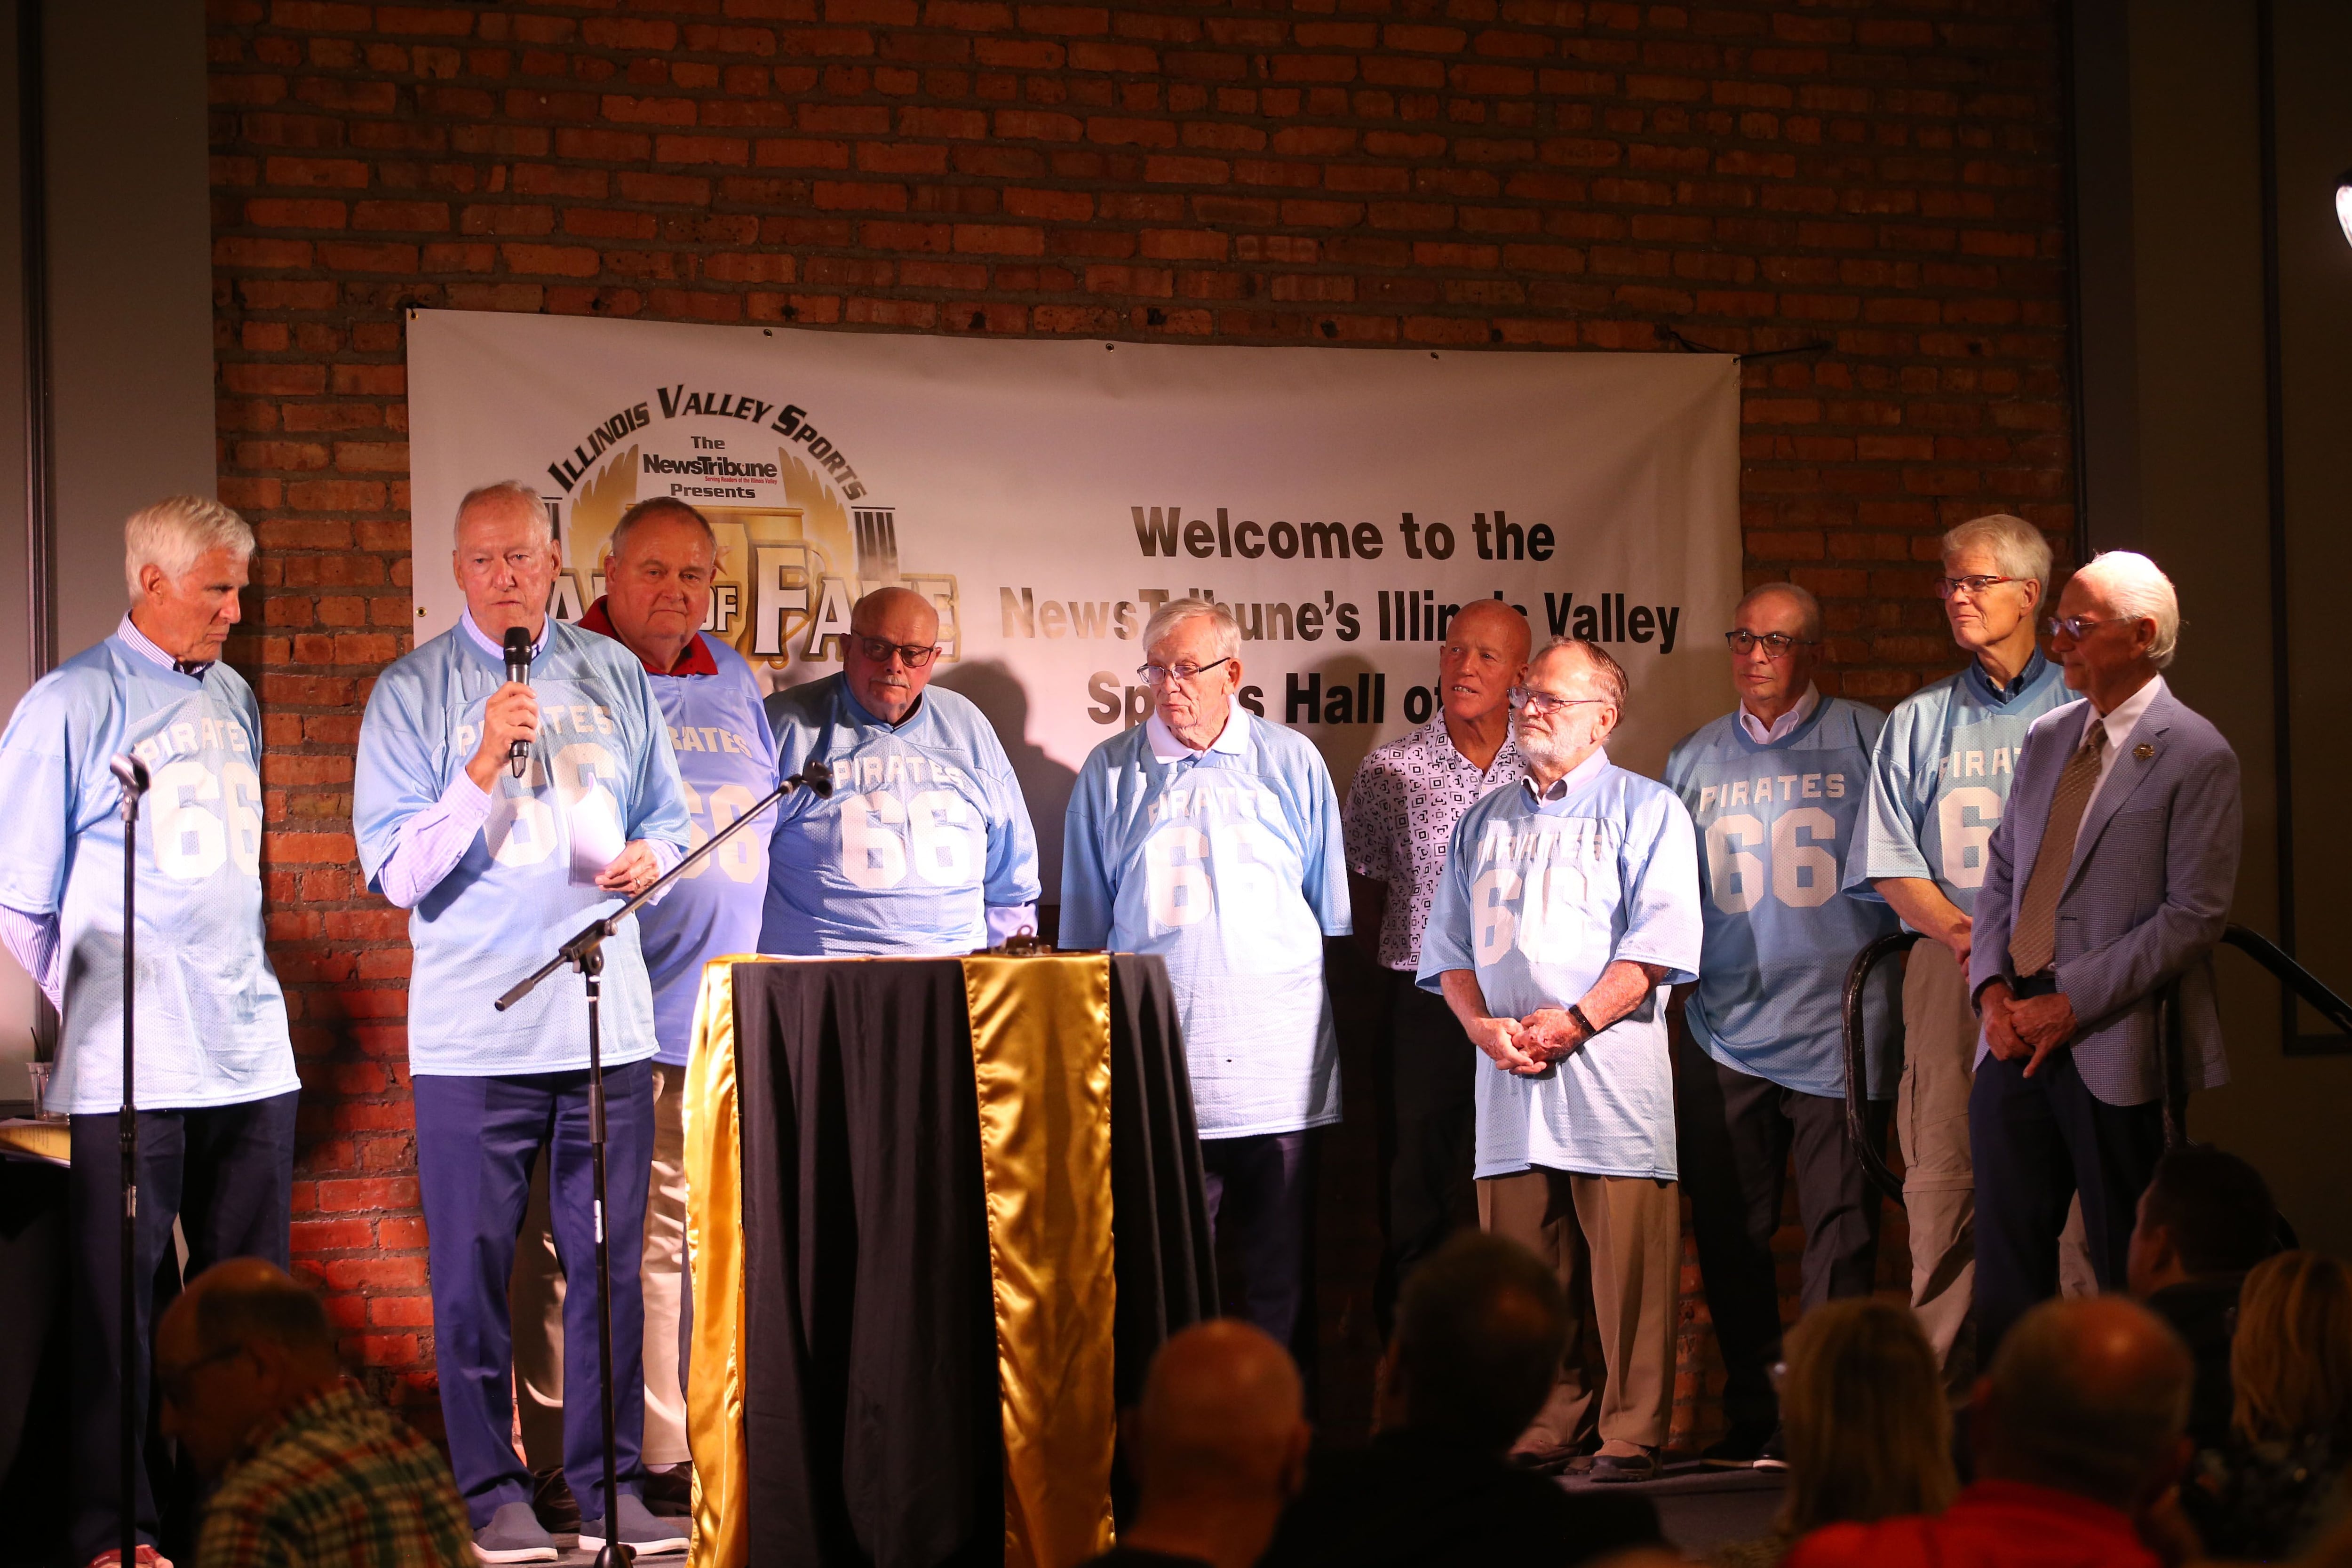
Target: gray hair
[
  {"x": 514, "y": 491},
  {"x": 1808, "y": 607},
  {"x": 2018, "y": 548},
  {"x": 1604, "y": 666},
  {"x": 658, "y": 505},
  {"x": 2135, "y": 588},
  {"x": 170, "y": 534},
  {"x": 1176, "y": 612}
]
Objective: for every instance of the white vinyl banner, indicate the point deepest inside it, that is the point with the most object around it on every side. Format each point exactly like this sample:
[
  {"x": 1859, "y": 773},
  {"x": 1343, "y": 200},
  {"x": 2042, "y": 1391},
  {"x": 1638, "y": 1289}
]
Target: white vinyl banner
[{"x": 1048, "y": 495}]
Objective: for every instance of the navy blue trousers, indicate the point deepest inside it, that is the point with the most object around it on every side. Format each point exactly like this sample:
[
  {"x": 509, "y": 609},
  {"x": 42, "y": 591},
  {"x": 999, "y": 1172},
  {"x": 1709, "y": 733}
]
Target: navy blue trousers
[
  {"x": 1261, "y": 1193},
  {"x": 226, "y": 1173},
  {"x": 477, "y": 1139}
]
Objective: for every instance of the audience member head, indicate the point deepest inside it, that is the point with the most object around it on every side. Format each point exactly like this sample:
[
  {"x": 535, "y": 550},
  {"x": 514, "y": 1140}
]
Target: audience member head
[
  {"x": 2205, "y": 1215},
  {"x": 2088, "y": 1397},
  {"x": 184, "y": 558},
  {"x": 1479, "y": 1333},
  {"x": 245, "y": 1343},
  {"x": 1862, "y": 1406},
  {"x": 2291, "y": 1359},
  {"x": 1218, "y": 1442},
  {"x": 891, "y": 651}
]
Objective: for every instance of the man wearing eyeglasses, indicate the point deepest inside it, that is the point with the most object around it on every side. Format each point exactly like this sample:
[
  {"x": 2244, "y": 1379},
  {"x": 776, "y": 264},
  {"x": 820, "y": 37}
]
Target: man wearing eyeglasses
[
  {"x": 1568, "y": 907},
  {"x": 1776, "y": 789},
  {"x": 1939, "y": 780},
  {"x": 925, "y": 846},
  {"x": 1210, "y": 836},
  {"x": 2107, "y": 883},
  {"x": 1402, "y": 808}
]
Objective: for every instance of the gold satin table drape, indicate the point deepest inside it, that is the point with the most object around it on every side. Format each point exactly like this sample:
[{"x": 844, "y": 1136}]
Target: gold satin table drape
[{"x": 1040, "y": 1042}]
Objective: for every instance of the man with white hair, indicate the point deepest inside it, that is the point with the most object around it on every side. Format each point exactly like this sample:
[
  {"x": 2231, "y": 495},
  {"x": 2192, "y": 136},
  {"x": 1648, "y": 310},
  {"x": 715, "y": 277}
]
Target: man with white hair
[
  {"x": 500, "y": 863},
  {"x": 2107, "y": 883},
  {"x": 1568, "y": 908},
  {"x": 215, "y": 1088},
  {"x": 1939, "y": 778},
  {"x": 1210, "y": 836},
  {"x": 1776, "y": 790}
]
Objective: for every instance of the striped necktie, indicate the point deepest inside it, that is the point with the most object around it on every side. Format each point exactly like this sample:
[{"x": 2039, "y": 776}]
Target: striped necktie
[{"x": 2033, "y": 941}]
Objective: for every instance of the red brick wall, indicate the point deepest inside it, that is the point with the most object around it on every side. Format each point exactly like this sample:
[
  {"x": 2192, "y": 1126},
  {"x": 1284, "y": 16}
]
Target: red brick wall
[{"x": 1878, "y": 177}]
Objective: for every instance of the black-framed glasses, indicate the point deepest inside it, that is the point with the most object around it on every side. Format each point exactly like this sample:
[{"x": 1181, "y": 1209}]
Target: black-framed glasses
[
  {"x": 1974, "y": 586},
  {"x": 1776, "y": 645},
  {"x": 173, "y": 1380},
  {"x": 1536, "y": 704},
  {"x": 1158, "y": 674},
  {"x": 879, "y": 650},
  {"x": 2074, "y": 626}
]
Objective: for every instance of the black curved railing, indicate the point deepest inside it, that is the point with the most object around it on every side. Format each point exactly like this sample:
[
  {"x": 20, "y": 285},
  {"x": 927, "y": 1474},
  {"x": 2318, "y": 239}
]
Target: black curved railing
[{"x": 2306, "y": 986}]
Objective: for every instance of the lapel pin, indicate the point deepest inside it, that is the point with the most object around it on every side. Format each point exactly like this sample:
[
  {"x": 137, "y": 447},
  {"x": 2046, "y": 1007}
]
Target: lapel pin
[{"x": 2143, "y": 751}]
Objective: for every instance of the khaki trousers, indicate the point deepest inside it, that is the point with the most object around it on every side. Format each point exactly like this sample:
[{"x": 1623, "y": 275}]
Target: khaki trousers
[
  {"x": 1931, "y": 1122},
  {"x": 536, "y": 1293},
  {"x": 1615, "y": 1243}
]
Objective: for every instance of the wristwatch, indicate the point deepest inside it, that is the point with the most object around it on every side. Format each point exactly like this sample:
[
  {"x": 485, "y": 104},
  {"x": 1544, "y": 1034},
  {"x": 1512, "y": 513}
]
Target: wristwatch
[{"x": 1576, "y": 1015}]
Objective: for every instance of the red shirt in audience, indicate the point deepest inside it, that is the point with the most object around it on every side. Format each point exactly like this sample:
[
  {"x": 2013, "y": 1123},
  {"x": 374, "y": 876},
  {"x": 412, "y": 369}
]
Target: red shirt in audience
[{"x": 1992, "y": 1524}]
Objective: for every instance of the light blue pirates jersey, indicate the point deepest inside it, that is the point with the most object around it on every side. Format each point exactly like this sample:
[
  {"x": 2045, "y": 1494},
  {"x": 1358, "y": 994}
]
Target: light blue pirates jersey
[
  {"x": 1228, "y": 863},
  {"x": 726, "y": 764},
  {"x": 1940, "y": 776},
  {"x": 600, "y": 770},
  {"x": 925, "y": 832},
  {"x": 1537, "y": 899},
  {"x": 210, "y": 1016},
  {"x": 1775, "y": 823}
]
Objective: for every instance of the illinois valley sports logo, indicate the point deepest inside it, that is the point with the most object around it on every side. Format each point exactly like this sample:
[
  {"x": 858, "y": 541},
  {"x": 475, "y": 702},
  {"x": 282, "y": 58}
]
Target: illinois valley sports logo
[{"x": 799, "y": 540}]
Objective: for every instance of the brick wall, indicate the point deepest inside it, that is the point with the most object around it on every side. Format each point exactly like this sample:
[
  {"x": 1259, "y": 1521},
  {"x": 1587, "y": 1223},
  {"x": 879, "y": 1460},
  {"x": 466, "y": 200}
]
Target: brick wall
[{"x": 1872, "y": 182}]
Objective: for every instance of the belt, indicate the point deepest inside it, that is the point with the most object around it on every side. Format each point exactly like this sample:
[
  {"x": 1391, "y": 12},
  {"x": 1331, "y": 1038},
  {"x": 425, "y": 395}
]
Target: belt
[{"x": 2042, "y": 985}]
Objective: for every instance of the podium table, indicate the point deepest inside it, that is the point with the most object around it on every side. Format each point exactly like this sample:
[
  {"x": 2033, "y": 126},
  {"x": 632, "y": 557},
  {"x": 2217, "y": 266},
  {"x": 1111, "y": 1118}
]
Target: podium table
[{"x": 942, "y": 1212}]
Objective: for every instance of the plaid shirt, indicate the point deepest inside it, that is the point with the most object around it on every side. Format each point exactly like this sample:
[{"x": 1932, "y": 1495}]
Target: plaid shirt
[{"x": 342, "y": 1481}]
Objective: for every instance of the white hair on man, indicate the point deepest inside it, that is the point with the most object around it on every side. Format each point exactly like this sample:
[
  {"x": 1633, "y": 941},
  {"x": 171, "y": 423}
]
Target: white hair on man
[
  {"x": 515, "y": 492},
  {"x": 1607, "y": 673},
  {"x": 2017, "y": 547},
  {"x": 2135, "y": 588},
  {"x": 173, "y": 532},
  {"x": 1176, "y": 612},
  {"x": 1808, "y": 607}
]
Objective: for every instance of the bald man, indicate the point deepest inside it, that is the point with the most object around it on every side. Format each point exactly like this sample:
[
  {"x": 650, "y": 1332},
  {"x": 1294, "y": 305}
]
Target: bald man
[
  {"x": 925, "y": 845},
  {"x": 2080, "y": 1430},
  {"x": 1402, "y": 808},
  {"x": 311, "y": 1469},
  {"x": 1219, "y": 1447}
]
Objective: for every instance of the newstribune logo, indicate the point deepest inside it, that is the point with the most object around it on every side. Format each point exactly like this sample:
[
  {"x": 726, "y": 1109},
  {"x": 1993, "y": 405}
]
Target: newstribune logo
[{"x": 799, "y": 541}]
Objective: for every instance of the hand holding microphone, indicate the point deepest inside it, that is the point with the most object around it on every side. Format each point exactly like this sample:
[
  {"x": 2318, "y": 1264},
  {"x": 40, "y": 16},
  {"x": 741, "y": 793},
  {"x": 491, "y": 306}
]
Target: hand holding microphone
[{"x": 510, "y": 717}]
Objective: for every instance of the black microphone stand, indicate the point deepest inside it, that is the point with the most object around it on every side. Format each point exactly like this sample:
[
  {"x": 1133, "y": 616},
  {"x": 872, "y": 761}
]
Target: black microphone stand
[
  {"x": 132, "y": 775},
  {"x": 585, "y": 952}
]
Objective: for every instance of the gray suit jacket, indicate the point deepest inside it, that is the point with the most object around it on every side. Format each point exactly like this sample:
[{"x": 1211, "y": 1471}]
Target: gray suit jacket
[{"x": 2147, "y": 895}]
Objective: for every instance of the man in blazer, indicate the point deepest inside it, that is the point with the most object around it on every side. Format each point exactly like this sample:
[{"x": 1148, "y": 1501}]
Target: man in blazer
[{"x": 2109, "y": 879}]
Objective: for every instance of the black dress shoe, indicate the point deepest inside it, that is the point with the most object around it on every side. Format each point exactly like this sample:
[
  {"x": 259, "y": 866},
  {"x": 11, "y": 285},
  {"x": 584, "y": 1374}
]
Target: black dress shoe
[
  {"x": 1639, "y": 1466},
  {"x": 552, "y": 1505},
  {"x": 1774, "y": 1456},
  {"x": 1736, "y": 1449},
  {"x": 669, "y": 1494}
]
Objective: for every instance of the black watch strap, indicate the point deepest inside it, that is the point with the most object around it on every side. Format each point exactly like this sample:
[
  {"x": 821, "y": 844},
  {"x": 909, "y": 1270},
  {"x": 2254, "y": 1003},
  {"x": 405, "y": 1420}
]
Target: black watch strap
[{"x": 1576, "y": 1012}]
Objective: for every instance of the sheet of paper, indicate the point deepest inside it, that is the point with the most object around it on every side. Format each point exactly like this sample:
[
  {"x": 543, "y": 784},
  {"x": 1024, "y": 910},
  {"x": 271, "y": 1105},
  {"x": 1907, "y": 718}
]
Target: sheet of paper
[{"x": 596, "y": 836}]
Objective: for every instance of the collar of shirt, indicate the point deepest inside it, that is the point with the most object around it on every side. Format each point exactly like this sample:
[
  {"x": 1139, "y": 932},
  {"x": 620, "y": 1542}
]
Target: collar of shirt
[
  {"x": 497, "y": 650},
  {"x": 1232, "y": 739},
  {"x": 695, "y": 659},
  {"x": 1786, "y": 725},
  {"x": 138, "y": 642},
  {"x": 2014, "y": 1498},
  {"x": 2127, "y": 714},
  {"x": 1433, "y": 738},
  {"x": 2035, "y": 665},
  {"x": 861, "y": 714},
  {"x": 1569, "y": 782}
]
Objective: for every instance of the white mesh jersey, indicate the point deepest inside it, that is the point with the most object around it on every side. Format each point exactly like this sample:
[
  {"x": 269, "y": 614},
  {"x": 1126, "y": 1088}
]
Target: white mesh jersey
[
  {"x": 210, "y": 1016},
  {"x": 602, "y": 767},
  {"x": 1229, "y": 864}
]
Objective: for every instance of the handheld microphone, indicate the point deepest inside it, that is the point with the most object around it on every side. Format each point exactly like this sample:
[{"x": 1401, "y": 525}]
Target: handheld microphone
[
  {"x": 517, "y": 651},
  {"x": 131, "y": 772},
  {"x": 816, "y": 777}
]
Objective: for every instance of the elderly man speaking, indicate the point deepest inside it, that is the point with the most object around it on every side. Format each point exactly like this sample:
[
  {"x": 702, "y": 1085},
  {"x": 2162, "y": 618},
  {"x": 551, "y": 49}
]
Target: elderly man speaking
[
  {"x": 1569, "y": 905},
  {"x": 1212, "y": 836},
  {"x": 2108, "y": 879}
]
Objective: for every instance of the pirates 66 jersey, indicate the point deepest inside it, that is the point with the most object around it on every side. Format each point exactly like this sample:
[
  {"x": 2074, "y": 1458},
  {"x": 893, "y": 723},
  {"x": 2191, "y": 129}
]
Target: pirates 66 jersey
[
  {"x": 1229, "y": 864},
  {"x": 925, "y": 832},
  {"x": 600, "y": 774},
  {"x": 1775, "y": 823},
  {"x": 1541, "y": 893},
  {"x": 211, "y": 1016}
]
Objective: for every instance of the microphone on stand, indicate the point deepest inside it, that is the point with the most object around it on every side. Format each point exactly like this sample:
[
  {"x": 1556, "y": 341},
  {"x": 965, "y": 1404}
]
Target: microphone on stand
[
  {"x": 517, "y": 651},
  {"x": 816, "y": 777}
]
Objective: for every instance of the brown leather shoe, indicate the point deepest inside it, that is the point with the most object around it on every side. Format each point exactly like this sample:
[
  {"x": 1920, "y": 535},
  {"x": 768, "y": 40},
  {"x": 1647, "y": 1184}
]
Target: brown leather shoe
[
  {"x": 552, "y": 1505},
  {"x": 1641, "y": 1465},
  {"x": 669, "y": 1494}
]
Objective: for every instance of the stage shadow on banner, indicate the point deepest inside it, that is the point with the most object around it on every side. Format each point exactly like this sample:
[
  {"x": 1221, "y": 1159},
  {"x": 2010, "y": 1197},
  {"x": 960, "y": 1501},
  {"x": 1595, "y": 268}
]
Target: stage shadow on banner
[
  {"x": 1327, "y": 703},
  {"x": 1045, "y": 785}
]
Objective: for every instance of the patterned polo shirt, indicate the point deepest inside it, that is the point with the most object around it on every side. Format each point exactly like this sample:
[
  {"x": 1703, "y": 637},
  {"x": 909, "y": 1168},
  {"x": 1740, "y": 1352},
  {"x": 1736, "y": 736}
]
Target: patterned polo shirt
[
  {"x": 342, "y": 1483},
  {"x": 1401, "y": 813}
]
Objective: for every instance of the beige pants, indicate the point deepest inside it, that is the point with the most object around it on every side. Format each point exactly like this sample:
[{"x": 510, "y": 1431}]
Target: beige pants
[
  {"x": 1931, "y": 1121},
  {"x": 1615, "y": 1243},
  {"x": 535, "y": 1301}
]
